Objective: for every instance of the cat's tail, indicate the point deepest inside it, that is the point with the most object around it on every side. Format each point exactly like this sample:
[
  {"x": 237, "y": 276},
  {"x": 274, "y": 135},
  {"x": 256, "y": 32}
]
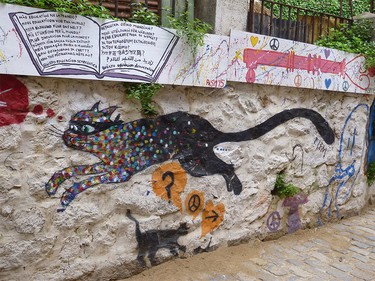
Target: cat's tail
[
  {"x": 320, "y": 123},
  {"x": 137, "y": 228}
]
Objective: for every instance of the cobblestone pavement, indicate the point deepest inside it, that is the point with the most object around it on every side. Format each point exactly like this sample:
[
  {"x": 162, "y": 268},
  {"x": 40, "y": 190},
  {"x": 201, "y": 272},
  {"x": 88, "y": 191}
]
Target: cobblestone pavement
[{"x": 340, "y": 251}]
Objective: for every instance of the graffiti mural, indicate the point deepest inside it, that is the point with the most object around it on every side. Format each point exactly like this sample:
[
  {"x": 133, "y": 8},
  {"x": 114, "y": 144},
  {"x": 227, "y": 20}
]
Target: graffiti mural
[
  {"x": 294, "y": 222},
  {"x": 268, "y": 60},
  {"x": 125, "y": 149},
  {"x": 168, "y": 182},
  {"x": 74, "y": 46},
  {"x": 350, "y": 157},
  {"x": 207, "y": 68},
  {"x": 149, "y": 242}
]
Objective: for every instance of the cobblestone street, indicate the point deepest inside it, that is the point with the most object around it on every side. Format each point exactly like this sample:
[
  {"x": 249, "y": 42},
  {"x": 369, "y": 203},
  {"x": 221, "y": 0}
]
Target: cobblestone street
[{"x": 337, "y": 251}]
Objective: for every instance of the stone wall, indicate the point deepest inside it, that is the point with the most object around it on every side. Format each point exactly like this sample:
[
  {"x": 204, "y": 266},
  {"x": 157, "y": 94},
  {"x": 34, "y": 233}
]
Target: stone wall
[{"x": 179, "y": 209}]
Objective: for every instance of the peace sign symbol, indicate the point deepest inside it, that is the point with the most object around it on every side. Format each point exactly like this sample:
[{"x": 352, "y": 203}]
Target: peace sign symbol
[
  {"x": 274, "y": 44},
  {"x": 345, "y": 85},
  {"x": 273, "y": 221},
  {"x": 298, "y": 80},
  {"x": 194, "y": 203}
]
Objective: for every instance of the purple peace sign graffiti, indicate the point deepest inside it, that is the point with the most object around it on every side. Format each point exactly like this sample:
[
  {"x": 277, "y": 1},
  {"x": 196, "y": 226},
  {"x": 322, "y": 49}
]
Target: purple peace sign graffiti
[{"x": 273, "y": 221}]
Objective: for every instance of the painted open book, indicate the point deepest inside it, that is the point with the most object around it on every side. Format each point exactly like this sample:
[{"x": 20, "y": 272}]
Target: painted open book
[{"x": 66, "y": 44}]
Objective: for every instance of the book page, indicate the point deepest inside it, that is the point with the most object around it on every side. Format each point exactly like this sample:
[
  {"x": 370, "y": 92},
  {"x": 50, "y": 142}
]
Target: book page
[
  {"x": 134, "y": 51},
  {"x": 59, "y": 42}
]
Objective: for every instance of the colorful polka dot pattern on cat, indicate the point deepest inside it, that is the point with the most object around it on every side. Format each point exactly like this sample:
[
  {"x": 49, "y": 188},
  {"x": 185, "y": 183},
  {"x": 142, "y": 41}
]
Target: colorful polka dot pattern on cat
[{"x": 125, "y": 149}]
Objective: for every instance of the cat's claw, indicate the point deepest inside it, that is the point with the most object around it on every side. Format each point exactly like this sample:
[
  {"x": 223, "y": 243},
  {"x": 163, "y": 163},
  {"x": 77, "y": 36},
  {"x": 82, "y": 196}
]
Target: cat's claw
[
  {"x": 55, "y": 181},
  {"x": 66, "y": 199}
]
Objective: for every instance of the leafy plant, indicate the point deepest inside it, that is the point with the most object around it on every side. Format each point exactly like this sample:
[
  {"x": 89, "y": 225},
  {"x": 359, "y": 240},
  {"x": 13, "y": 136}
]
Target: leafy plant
[
  {"x": 370, "y": 173},
  {"x": 353, "y": 39},
  {"x": 193, "y": 31},
  {"x": 283, "y": 189},
  {"x": 144, "y": 94},
  {"x": 142, "y": 15},
  {"x": 321, "y": 6},
  {"x": 81, "y": 7}
]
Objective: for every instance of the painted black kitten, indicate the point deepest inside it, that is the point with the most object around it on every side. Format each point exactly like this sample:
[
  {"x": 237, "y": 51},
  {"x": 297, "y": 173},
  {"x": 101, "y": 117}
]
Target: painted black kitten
[{"x": 149, "y": 242}]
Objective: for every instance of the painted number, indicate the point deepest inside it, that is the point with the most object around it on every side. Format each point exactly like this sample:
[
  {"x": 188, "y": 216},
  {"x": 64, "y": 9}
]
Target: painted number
[{"x": 215, "y": 83}]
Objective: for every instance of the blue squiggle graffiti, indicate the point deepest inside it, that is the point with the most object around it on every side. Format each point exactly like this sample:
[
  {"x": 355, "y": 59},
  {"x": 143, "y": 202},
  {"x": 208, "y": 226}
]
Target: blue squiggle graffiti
[{"x": 345, "y": 172}]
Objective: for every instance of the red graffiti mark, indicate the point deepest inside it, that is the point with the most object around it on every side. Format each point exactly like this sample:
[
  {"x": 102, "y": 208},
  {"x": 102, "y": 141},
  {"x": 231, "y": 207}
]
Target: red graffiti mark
[
  {"x": 14, "y": 101},
  {"x": 38, "y": 110},
  {"x": 291, "y": 61},
  {"x": 51, "y": 113},
  {"x": 371, "y": 71}
]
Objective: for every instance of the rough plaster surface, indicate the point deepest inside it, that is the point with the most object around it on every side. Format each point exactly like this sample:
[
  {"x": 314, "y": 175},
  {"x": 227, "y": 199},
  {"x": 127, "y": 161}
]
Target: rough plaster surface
[
  {"x": 95, "y": 240},
  {"x": 231, "y": 15}
]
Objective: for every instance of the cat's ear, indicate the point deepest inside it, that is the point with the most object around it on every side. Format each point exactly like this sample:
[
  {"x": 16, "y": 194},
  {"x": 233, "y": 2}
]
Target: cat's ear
[
  {"x": 108, "y": 111},
  {"x": 95, "y": 107}
]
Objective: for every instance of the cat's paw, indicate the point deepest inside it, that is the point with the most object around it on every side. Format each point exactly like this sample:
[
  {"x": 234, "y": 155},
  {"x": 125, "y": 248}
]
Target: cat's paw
[
  {"x": 54, "y": 182},
  {"x": 235, "y": 185},
  {"x": 67, "y": 197}
]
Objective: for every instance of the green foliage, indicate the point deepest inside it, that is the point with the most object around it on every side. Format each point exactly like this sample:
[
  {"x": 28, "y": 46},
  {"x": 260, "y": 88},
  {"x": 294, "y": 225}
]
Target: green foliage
[
  {"x": 142, "y": 15},
  {"x": 81, "y": 7},
  {"x": 144, "y": 94},
  {"x": 353, "y": 39},
  {"x": 321, "y": 6},
  {"x": 193, "y": 31},
  {"x": 283, "y": 189},
  {"x": 371, "y": 173}
]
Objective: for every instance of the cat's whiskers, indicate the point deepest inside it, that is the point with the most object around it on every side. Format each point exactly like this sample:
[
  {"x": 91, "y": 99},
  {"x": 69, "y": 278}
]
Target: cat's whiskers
[
  {"x": 54, "y": 133},
  {"x": 57, "y": 129}
]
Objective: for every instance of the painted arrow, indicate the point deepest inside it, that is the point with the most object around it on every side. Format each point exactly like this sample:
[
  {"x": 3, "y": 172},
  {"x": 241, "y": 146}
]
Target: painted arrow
[{"x": 214, "y": 217}]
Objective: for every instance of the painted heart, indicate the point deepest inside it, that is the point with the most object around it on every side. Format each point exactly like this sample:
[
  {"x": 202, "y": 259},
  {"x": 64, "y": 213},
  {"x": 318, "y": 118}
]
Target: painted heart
[
  {"x": 327, "y": 53},
  {"x": 328, "y": 82},
  {"x": 254, "y": 40}
]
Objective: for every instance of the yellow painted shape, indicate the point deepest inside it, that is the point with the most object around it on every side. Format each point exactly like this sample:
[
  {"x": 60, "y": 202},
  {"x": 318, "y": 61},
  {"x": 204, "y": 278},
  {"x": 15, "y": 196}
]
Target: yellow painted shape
[
  {"x": 254, "y": 40},
  {"x": 174, "y": 179},
  {"x": 194, "y": 203},
  {"x": 212, "y": 217}
]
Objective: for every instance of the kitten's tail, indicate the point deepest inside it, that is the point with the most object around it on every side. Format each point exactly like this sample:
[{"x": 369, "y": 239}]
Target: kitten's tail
[
  {"x": 137, "y": 228},
  {"x": 320, "y": 123}
]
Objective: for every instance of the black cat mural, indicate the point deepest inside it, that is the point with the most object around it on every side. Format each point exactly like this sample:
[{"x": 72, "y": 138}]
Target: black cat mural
[
  {"x": 125, "y": 149},
  {"x": 149, "y": 242}
]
